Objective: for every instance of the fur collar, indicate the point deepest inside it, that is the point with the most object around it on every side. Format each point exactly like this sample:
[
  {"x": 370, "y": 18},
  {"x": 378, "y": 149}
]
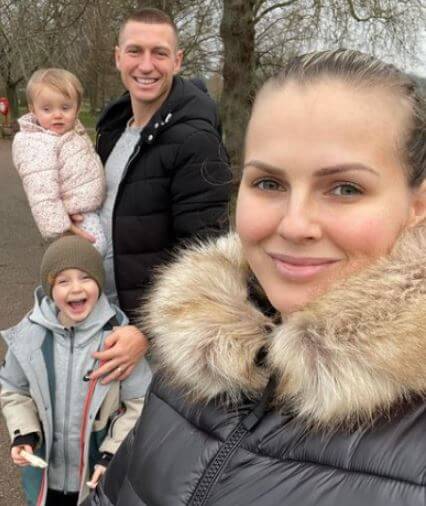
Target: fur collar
[{"x": 352, "y": 354}]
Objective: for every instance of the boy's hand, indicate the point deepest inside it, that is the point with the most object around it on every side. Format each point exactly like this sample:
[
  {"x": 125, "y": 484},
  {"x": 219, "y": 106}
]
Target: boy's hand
[
  {"x": 96, "y": 476},
  {"x": 75, "y": 229},
  {"x": 15, "y": 453},
  {"x": 123, "y": 349}
]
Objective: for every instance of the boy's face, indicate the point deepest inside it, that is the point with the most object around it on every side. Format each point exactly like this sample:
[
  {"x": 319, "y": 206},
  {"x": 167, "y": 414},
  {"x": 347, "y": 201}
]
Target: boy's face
[
  {"x": 75, "y": 295},
  {"x": 53, "y": 110}
]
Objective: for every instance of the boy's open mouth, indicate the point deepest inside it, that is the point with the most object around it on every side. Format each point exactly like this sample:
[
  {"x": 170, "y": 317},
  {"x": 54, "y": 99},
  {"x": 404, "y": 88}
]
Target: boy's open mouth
[{"x": 77, "y": 305}]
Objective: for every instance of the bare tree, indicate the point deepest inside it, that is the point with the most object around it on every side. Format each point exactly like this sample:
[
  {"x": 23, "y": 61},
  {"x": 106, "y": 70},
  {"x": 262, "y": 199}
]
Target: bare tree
[
  {"x": 31, "y": 35},
  {"x": 259, "y": 35},
  {"x": 90, "y": 49}
]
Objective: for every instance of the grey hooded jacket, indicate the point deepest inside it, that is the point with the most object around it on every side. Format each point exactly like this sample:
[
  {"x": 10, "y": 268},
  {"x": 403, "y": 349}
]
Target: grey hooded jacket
[{"x": 27, "y": 391}]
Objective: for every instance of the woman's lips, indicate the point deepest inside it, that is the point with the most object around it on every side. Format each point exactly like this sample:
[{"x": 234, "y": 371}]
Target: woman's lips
[{"x": 301, "y": 268}]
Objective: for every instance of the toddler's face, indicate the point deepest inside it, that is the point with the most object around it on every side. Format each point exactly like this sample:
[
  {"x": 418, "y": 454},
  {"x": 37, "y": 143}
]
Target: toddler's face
[
  {"x": 53, "y": 110},
  {"x": 75, "y": 295}
]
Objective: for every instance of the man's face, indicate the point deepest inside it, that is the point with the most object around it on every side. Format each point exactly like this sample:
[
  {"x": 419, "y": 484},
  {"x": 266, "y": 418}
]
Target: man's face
[{"x": 147, "y": 58}]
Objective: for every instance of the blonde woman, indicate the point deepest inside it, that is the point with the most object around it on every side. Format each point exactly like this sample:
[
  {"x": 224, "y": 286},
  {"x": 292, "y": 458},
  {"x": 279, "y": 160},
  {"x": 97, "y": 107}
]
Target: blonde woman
[{"x": 322, "y": 403}]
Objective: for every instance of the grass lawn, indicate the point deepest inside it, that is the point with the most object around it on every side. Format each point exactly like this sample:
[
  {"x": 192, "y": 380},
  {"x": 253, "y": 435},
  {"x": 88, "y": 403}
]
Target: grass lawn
[{"x": 88, "y": 120}]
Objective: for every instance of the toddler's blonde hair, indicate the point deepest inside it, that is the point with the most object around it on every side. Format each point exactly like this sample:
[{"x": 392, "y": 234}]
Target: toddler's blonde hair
[{"x": 58, "y": 79}]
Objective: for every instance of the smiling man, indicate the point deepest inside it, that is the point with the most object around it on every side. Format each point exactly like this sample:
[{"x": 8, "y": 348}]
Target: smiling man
[{"x": 168, "y": 177}]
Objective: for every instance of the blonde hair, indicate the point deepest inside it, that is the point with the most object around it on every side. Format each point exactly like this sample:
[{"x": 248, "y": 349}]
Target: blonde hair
[
  {"x": 58, "y": 79},
  {"x": 361, "y": 69}
]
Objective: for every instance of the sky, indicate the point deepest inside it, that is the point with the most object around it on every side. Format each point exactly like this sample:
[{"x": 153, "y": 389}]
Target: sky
[{"x": 419, "y": 67}]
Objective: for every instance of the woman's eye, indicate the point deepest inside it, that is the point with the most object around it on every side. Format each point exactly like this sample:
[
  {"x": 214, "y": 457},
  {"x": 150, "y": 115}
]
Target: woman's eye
[
  {"x": 268, "y": 185},
  {"x": 346, "y": 190}
]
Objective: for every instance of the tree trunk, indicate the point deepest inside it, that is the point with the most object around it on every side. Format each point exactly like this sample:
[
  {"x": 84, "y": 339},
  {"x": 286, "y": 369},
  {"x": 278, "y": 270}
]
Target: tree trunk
[
  {"x": 12, "y": 96},
  {"x": 237, "y": 31}
]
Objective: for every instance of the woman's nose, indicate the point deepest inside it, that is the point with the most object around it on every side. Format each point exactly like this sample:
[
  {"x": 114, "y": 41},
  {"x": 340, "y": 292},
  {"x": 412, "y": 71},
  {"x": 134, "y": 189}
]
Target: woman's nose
[{"x": 300, "y": 221}]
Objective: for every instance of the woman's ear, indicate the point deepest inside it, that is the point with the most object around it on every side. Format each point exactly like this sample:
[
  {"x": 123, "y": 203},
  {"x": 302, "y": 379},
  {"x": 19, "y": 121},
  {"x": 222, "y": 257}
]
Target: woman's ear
[{"x": 418, "y": 208}]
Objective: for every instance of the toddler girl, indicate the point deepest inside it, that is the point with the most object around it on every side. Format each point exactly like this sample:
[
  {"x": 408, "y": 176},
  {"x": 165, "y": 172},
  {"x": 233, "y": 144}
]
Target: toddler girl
[{"x": 61, "y": 172}]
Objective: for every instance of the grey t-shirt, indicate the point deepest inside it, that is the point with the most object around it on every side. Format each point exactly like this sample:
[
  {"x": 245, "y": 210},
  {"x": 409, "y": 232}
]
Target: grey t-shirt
[{"x": 114, "y": 171}]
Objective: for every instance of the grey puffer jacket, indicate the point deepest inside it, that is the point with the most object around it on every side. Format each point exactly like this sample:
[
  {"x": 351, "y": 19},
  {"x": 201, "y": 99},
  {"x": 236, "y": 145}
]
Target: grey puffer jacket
[
  {"x": 44, "y": 393},
  {"x": 343, "y": 423}
]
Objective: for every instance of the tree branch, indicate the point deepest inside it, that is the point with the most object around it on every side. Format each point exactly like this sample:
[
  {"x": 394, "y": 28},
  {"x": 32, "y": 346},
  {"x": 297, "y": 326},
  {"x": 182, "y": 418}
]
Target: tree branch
[
  {"x": 257, "y": 6},
  {"x": 368, "y": 18},
  {"x": 272, "y": 8}
]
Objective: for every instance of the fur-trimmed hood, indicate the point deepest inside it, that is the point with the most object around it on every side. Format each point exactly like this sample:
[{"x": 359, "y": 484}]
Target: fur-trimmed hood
[{"x": 352, "y": 354}]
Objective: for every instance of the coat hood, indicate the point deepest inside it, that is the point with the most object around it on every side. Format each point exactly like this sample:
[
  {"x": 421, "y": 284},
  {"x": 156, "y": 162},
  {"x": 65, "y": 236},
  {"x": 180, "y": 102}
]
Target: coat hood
[
  {"x": 28, "y": 123},
  {"x": 185, "y": 102},
  {"x": 351, "y": 355}
]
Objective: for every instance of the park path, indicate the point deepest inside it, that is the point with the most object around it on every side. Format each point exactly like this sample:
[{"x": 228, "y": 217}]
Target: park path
[{"x": 21, "y": 249}]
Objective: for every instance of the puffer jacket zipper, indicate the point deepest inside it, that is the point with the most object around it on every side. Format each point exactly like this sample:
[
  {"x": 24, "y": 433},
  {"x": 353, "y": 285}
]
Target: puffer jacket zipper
[
  {"x": 230, "y": 446},
  {"x": 67, "y": 409}
]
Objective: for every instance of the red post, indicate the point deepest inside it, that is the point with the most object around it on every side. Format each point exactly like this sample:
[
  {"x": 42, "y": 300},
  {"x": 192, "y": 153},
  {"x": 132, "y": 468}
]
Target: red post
[{"x": 4, "y": 110}]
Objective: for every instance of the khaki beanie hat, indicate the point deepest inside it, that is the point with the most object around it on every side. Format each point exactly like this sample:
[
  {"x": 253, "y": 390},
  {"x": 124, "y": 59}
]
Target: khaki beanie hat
[{"x": 71, "y": 252}]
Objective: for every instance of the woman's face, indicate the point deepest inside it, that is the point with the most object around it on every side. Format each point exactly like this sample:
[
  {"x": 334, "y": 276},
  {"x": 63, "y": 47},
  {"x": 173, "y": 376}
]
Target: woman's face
[{"x": 323, "y": 191}]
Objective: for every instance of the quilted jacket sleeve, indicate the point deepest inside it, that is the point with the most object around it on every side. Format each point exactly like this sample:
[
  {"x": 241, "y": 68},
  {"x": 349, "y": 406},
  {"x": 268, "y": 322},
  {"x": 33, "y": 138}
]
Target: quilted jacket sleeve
[
  {"x": 35, "y": 158},
  {"x": 19, "y": 409},
  {"x": 83, "y": 175},
  {"x": 132, "y": 394},
  {"x": 121, "y": 425}
]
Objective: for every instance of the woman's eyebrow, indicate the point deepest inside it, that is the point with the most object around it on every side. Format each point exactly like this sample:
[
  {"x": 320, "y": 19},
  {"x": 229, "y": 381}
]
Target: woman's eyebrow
[
  {"x": 344, "y": 167},
  {"x": 264, "y": 166},
  {"x": 325, "y": 171}
]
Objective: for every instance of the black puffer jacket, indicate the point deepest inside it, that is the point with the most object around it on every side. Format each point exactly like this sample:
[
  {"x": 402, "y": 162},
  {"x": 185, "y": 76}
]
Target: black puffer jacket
[
  {"x": 176, "y": 184},
  {"x": 355, "y": 355}
]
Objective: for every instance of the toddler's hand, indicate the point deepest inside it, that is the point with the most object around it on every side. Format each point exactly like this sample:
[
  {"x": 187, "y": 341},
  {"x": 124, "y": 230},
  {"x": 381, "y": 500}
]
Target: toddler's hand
[
  {"x": 96, "y": 476},
  {"x": 75, "y": 229},
  {"x": 82, "y": 233},
  {"x": 15, "y": 453},
  {"x": 77, "y": 218}
]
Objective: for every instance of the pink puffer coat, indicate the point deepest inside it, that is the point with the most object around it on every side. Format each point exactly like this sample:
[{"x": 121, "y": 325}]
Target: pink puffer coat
[{"x": 62, "y": 174}]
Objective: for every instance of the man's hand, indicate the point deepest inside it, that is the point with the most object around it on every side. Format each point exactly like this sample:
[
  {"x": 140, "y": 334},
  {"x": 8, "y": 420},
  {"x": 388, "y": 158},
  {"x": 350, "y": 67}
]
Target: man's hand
[
  {"x": 75, "y": 229},
  {"x": 123, "y": 349},
  {"x": 15, "y": 454}
]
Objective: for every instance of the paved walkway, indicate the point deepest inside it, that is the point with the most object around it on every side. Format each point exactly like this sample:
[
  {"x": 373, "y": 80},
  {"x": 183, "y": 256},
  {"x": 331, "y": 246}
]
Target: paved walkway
[{"x": 21, "y": 249}]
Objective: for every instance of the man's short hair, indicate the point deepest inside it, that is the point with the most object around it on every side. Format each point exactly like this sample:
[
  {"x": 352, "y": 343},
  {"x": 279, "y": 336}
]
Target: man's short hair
[{"x": 150, "y": 15}]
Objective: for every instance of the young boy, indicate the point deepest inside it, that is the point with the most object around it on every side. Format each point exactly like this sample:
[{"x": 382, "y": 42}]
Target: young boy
[{"x": 49, "y": 405}]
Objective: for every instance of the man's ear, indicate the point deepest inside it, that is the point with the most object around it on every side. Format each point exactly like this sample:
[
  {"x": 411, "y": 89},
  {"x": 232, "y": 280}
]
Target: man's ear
[
  {"x": 178, "y": 61},
  {"x": 418, "y": 206},
  {"x": 117, "y": 57}
]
